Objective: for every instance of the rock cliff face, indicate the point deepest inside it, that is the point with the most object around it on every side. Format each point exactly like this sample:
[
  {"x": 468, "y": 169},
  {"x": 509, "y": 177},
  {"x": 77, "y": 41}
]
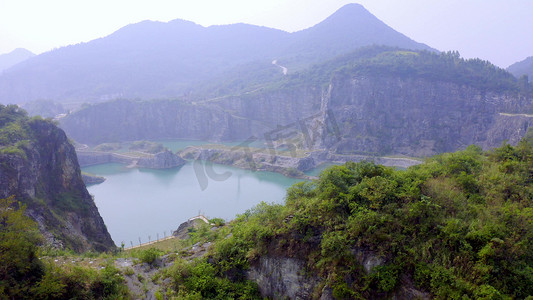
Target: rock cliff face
[
  {"x": 377, "y": 101},
  {"x": 47, "y": 178},
  {"x": 283, "y": 278},
  {"x": 371, "y": 115},
  {"x": 124, "y": 120},
  {"x": 417, "y": 117}
]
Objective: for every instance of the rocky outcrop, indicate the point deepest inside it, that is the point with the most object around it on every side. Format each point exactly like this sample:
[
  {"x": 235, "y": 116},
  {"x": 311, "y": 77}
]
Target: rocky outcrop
[
  {"x": 284, "y": 163},
  {"x": 162, "y": 160},
  {"x": 91, "y": 178},
  {"x": 255, "y": 160},
  {"x": 353, "y": 115},
  {"x": 508, "y": 127},
  {"x": 417, "y": 117},
  {"x": 280, "y": 277},
  {"x": 183, "y": 230},
  {"x": 283, "y": 277},
  {"x": 124, "y": 120},
  {"x": 47, "y": 179}
]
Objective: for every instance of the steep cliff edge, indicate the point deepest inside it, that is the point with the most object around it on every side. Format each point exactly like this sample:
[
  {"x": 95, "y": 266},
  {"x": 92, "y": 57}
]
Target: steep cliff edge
[
  {"x": 39, "y": 167},
  {"x": 419, "y": 117}
]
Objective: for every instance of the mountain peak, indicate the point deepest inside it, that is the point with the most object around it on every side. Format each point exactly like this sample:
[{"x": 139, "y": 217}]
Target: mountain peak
[
  {"x": 351, "y": 8},
  {"x": 158, "y": 59},
  {"x": 14, "y": 57},
  {"x": 351, "y": 15},
  {"x": 22, "y": 51},
  {"x": 350, "y": 27}
]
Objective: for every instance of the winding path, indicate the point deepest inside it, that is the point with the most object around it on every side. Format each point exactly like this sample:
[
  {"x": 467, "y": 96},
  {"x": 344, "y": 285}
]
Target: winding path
[{"x": 284, "y": 69}]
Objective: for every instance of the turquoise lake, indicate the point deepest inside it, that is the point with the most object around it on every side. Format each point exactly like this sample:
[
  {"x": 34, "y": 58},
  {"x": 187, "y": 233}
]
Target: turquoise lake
[{"x": 143, "y": 203}]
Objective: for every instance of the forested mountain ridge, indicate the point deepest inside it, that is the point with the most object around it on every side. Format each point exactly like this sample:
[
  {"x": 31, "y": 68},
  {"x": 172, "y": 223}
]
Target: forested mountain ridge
[
  {"x": 39, "y": 169},
  {"x": 153, "y": 59}
]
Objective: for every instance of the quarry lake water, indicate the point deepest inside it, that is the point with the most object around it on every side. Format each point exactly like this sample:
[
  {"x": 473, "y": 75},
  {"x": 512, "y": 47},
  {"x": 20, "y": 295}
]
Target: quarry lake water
[{"x": 138, "y": 203}]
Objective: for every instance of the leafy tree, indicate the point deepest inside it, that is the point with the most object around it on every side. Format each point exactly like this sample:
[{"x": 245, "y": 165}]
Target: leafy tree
[{"x": 19, "y": 236}]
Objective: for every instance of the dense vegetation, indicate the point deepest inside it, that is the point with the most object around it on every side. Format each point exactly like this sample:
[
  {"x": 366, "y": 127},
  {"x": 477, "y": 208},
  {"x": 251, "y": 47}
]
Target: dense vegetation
[
  {"x": 458, "y": 226},
  {"x": 446, "y": 66},
  {"x": 390, "y": 61},
  {"x": 23, "y": 275}
]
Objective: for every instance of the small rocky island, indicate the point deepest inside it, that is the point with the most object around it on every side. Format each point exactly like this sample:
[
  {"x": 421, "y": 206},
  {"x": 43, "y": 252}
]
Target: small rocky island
[{"x": 91, "y": 178}]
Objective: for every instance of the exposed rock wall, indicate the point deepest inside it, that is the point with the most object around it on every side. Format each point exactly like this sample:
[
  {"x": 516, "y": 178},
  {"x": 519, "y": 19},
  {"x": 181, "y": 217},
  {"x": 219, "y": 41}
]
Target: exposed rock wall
[
  {"x": 282, "y": 277},
  {"x": 371, "y": 116},
  {"x": 417, "y": 117},
  {"x": 124, "y": 120},
  {"x": 48, "y": 180}
]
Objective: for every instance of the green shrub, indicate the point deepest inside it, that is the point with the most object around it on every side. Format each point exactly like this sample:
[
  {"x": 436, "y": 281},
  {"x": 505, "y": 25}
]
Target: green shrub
[
  {"x": 217, "y": 221},
  {"x": 149, "y": 256}
]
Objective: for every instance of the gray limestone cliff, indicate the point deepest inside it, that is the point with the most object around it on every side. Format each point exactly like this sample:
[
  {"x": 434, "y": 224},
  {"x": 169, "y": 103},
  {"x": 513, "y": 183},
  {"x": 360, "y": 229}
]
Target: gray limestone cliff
[
  {"x": 352, "y": 113},
  {"x": 417, "y": 117},
  {"x": 283, "y": 277},
  {"x": 44, "y": 175}
]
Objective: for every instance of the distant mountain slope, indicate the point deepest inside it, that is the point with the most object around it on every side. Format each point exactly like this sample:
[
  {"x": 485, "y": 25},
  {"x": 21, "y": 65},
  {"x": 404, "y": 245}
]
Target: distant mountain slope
[
  {"x": 521, "y": 68},
  {"x": 154, "y": 59},
  {"x": 348, "y": 28},
  {"x": 14, "y": 57}
]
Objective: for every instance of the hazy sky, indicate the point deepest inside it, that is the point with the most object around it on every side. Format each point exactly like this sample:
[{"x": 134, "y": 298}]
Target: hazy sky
[{"x": 497, "y": 30}]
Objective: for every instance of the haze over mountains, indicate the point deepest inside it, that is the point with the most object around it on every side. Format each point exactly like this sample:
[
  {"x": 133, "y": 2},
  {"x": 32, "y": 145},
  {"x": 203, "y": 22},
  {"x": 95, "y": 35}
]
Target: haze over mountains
[
  {"x": 350, "y": 91},
  {"x": 14, "y": 57},
  {"x": 153, "y": 59},
  {"x": 521, "y": 68}
]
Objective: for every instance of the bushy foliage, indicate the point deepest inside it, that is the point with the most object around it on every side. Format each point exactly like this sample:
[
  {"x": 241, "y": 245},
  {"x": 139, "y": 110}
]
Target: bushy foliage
[
  {"x": 149, "y": 256},
  {"x": 217, "y": 221},
  {"x": 202, "y": 280},
  {"x": 19, "y": 264},
  {"x": 459, "y": 225},
  {"x": 24, "y": 276}
]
